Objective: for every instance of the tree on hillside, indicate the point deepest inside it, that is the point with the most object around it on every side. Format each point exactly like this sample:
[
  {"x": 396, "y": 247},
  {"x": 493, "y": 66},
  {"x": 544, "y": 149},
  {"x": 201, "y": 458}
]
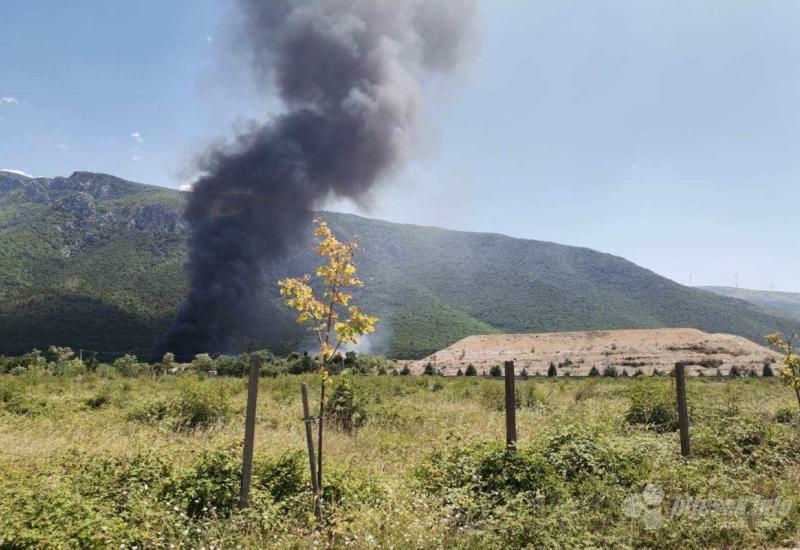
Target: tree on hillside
[
  {"x": 551, "y": 371},
  {"x": 333, "y": 319},
  {"x": 471, "y": 370},
  {"x": 790, "y": 373}
]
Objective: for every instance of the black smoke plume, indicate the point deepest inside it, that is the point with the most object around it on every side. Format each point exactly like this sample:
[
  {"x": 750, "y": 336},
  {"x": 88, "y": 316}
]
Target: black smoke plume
[{"x": 348, "y": 75}]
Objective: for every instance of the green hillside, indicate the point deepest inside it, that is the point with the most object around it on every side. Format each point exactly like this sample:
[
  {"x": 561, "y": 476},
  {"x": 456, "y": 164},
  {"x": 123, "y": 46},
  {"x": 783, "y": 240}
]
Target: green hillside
[
  {"x": 96, "y": 262},
  {"x": 780, "y": 302}
]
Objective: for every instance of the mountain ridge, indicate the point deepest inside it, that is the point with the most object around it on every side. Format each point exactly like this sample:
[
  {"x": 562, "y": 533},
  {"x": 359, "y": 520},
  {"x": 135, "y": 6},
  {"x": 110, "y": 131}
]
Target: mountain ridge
[{"x": 92, "y": 251}]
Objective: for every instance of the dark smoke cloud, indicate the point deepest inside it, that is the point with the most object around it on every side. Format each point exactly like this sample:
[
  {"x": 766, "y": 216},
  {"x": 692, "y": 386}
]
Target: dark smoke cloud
[{"x": 347, "y": 72}]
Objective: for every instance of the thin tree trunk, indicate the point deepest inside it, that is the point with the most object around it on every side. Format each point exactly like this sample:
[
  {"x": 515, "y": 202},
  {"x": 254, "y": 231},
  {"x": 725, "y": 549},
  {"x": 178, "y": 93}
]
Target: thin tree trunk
[
  {"x": 319, "y": 444},
  {"x": 310, "y": 444},
  {"x": 797, "y": 393}
]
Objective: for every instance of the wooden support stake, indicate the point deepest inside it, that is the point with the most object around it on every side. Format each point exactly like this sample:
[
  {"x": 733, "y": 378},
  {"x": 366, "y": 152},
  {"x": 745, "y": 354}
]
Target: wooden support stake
[
  {"x": 683, "y": 410},
  {"x": 312, "y": 462},
  {"x": 511, "y": 408},
  {"x": 249, "y": 430}
]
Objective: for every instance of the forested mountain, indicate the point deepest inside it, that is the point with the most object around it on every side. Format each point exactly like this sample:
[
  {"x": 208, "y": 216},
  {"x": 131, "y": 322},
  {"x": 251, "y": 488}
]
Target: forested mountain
[
  {"x": 96, "y": 262},
  {"x": 781, "y": 302}
]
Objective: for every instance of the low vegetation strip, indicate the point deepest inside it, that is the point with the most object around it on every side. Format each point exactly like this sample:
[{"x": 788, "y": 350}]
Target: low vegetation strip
[{"x": 103, "y": 458}]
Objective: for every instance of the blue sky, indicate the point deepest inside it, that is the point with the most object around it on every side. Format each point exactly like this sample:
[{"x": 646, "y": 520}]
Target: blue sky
[{"x": 664, "y": 132}]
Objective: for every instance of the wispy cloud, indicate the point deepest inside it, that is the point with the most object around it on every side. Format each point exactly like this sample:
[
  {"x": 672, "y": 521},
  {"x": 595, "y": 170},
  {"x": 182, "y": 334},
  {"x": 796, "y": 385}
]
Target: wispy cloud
[
  {"x": 9, "y": 100},
  {"x": 136, "y": 158},
  {"x": 137, "y": 137},
  {"x": 209, "y": 39},
  {"x": 63, "y": 146},
  {"x": 17, "y": 172},
  {"x": 186, "y": 187}
]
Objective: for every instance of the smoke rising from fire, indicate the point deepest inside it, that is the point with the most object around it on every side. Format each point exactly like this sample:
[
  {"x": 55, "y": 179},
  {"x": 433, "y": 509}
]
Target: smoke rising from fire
[{"x": 348, "y": 75}]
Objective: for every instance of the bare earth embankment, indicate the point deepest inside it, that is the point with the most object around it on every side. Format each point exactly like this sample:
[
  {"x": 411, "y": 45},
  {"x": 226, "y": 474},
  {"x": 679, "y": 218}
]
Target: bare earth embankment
[{"x": 575, "y": 353}]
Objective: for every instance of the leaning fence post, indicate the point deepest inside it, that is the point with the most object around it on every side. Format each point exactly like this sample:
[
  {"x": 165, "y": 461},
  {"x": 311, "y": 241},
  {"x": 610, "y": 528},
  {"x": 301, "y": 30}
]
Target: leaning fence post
[
  {"x": 511, "y": 408},
  {"x": 249, "y": 430},
  {"x": 683, "y": 410},
  {"x": 312, "y": 462}
]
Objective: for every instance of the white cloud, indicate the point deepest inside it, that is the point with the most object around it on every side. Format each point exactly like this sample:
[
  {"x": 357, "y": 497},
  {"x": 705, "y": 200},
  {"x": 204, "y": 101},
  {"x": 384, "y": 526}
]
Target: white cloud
[
  {"x": 186, "y": 187},
  {"x": 209, "y": 39},
  {"x": 9, "y": 100},
  {"x": 136, "y": 158},
  {"x": 137, "y": 137},
  {"x": 17, "y": 172},
  {"x": 63, "y": 146}
]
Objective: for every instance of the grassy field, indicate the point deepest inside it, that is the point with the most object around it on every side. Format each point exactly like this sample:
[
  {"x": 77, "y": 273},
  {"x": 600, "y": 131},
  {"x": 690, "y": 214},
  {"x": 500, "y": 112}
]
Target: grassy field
[{"x": 97, "y": 461}]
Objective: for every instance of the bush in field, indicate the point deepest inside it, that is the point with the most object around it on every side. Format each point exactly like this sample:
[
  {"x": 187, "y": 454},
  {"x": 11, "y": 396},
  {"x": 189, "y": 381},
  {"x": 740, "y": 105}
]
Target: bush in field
[
  {"x": 345, "y": 408},
  {"x": 610, "y": 371},
  {"x": 62, "y": 362},
  {"x": 199, "y": 405},
  {"x": 492, "y": 395},
  {"x": 767, "y": 372},
  {"x": 593, "y": 371},
  {"x": 786, "y": 414},
  {"x": 652, "y": 404},
  {"x": 203, "y": 363},
  {"x": 129, "y": 366},
  {"x": 486, "y": 475},
  {"x": 429, "y": 370},
  {"x": 471, "y": 370},
  {"x": 578, "y": 454},
  {"x": 551, "y": 371},
  {"x": 495, "y": 371},
  {"x": 33, "y": 362},
  {"x": 15, "y": 398},
  {"x": 533, "y": 396},
  {"x": 405, "y": 371},
  {"x": 282, "y": 477}
]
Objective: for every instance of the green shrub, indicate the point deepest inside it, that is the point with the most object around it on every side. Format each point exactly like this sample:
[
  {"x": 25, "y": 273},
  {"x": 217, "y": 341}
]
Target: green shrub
[
  {"x": 786, "y": 414},
  {"x": 587, "y": 390},
  {"x": 534, "y": 396},
  {"x": 199, "y": 405},
  {"x": 593, "y": 371},
  {"x": 210, "y": 487},
  {"x": 471, "y": 370},
  {"x": 610, "y": 371},
  {"x": 345, "y": 407},
  {"x": 492, "y": 396},
  {"x": 551, "y": 371},
  {"x": 577, "y": 454},
  {"x": 203, "y": 363},
  {"x": 652, "y": 404},
  {"x": 97, "y": 401},
  {"x": 480, "y": 477},
  {"x": 129, "y": 366},
  {"x": 150, "y": 412},
  {"x": 281, "y": 477},
  {"x": 495, "y": 371}
]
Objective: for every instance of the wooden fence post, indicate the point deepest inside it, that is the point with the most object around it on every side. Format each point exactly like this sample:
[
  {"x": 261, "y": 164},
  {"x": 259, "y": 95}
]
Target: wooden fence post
[
  {"x": 511, "y": 408},
  {"x": 683, "y": 410},
  {"x": 312, "y": 462},
  {"x": 249, "y": 430}
]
